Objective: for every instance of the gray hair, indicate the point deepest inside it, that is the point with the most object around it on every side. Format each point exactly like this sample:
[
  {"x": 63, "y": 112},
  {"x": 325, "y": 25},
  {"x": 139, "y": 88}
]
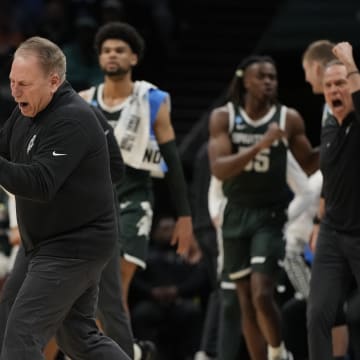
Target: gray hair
[
  {"x": 332, "y": 63},
  {"x": 50, "y": 55}
]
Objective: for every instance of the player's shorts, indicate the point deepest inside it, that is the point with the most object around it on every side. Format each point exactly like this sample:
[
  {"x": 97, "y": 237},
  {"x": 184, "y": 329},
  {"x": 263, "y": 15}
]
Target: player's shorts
[
  {"x": 135, "y": 219},
  {"x": 253, "y": 240}
]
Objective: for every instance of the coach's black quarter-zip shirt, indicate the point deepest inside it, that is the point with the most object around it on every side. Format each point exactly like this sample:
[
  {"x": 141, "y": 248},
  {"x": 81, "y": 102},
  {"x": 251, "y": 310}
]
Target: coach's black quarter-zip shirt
[
  {"x": 57, "y": 165},
  {"x": 340, "y": 165}
]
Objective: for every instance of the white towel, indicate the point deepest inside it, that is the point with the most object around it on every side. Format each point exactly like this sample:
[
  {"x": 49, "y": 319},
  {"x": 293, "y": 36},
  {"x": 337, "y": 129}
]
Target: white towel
[{"x": 133, "y": 135}]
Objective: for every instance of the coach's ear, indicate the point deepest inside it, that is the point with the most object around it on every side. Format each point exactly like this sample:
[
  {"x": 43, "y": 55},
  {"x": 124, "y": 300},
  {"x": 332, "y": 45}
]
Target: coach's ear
[{"x": 55, "y": 82}]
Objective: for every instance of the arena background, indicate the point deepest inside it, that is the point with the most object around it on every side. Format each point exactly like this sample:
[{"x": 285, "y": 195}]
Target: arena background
[{"x": 192, "y": 49}]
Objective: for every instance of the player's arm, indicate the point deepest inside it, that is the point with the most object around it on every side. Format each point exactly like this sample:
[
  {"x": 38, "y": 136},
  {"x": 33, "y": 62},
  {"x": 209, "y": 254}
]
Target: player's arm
[
  {"x": 225, "y": 164},
  {"x": 344, "y": 52},
  {"x": 165, "y": 136},
  {"x": 299, "y": 144}
]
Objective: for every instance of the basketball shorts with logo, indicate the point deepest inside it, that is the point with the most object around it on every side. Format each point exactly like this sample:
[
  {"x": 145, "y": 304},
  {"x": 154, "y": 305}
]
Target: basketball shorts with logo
[
  {"x": 253, "y": 240},
  {"x": 135, "y": 219}
]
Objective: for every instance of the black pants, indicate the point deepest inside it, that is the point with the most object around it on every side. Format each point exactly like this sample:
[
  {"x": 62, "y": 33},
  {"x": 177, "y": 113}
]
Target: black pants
[
  {"x": 111, "y": 311},
  {"x": 45, "y": 296},
  {"x": 353, "y": 321},
  {"x": 337, "y": 257}
]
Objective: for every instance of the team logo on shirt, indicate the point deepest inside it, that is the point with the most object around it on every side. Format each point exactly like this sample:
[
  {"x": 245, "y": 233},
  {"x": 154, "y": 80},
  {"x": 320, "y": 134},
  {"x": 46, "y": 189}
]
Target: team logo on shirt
[
  {"x": 31, "y": 144},
  {"x": 239, "y": 123},
  {"x": 238, "y": 119}
]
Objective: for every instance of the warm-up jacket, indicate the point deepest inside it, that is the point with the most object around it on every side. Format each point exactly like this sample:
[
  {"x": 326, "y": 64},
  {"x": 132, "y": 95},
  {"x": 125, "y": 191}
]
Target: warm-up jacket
[
  {"x": 117, "y": 166},
  {"x": 57, "y": 165}
]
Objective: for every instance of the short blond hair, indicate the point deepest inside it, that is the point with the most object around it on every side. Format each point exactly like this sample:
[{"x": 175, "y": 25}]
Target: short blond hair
[
  {"x": 50, "y": 55},
  {"x": 321, "y": 51}
]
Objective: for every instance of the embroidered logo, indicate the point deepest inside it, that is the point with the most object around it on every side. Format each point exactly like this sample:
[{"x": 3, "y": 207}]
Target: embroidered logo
[
  {"x": 238, "y": 120},
  {"x": 347, "y": 130},
  {"x": 58, "y": 154},
  {"x": 31, "y": 144}
]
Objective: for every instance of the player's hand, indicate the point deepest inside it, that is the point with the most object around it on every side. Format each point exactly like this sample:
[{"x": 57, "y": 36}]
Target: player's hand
[
  {"x": 183, "y": 235},
  {"x": 194, "y": 254},
  {"x": 272, "y": 134}
]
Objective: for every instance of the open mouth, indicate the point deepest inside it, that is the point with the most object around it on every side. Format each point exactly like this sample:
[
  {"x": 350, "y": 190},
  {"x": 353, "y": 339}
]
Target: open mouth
[
  {"x": 23, "y": 105},
  {"x": 337, "y": 103}
]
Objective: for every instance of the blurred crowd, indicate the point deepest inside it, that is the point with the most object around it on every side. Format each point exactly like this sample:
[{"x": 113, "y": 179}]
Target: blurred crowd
[{"x": 72, "y": 25}]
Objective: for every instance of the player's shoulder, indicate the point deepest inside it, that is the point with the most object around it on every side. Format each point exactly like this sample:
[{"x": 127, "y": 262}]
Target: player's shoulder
[
  {"x": 292, "y": 113},
  {"x": 294, "y": 120},
  {"x": 220, "y": 111},
  {"x": 219, "y": 119}
]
